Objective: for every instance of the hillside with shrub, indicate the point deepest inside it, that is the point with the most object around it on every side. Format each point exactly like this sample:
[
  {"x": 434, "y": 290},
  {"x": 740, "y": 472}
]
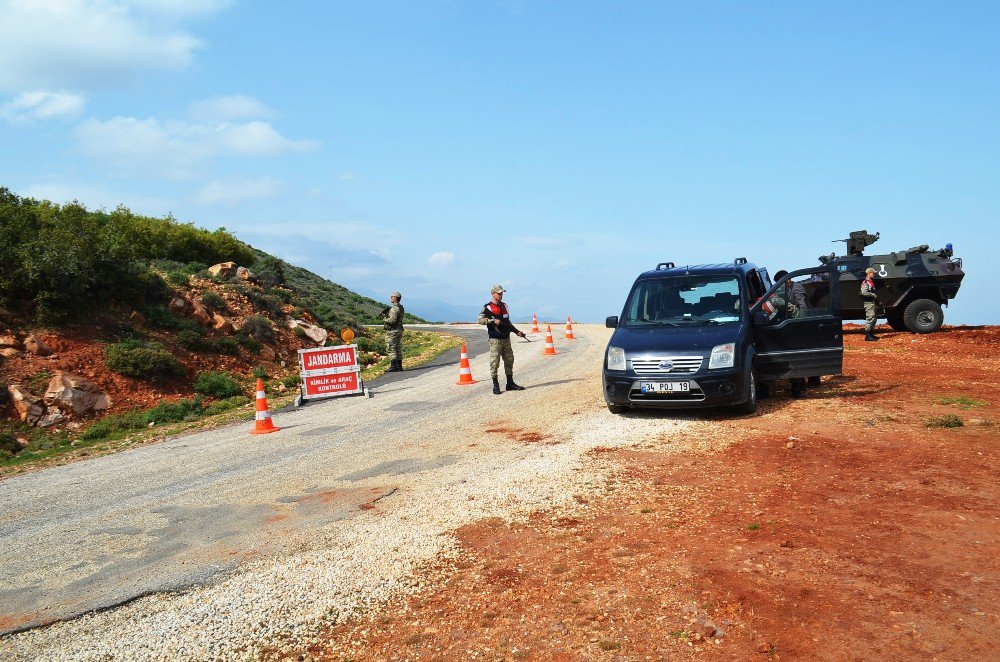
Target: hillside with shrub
[{"x": 112, "y": 322}]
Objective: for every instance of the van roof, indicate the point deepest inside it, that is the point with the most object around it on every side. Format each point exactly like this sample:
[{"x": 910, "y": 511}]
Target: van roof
[{"x": 668, "y": 269}]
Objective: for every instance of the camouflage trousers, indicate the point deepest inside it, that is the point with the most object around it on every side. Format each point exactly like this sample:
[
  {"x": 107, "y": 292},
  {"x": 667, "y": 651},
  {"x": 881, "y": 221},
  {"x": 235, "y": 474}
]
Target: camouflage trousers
[
  {"x": 394, "y": 344},
  {"x": 501, "y": 348},
  {"x": 869, "y": 318}
]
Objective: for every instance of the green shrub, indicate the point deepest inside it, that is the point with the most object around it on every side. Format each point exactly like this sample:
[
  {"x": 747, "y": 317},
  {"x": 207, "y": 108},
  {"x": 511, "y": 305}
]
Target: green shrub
[
  {"x": 270, "y": 271},
  {"x": 366, "y": 344},
  {"x": 259, "y": 372},
  {"x": 223, "y": 346},
  {"x": 292, "y": 381},
  {"x": 143, "y": 360},
  {"x": 944, "y": 421},
  {"x": 213, "y": 301},
  {"x": 266, "y": 302},
  {"x": 281, "y": 294},
  {"x": 129, "y": 421},
  {"x": 252, "y": 345},
  {"x": 228, "y": 404},
  {"x": 160, "y": 317},
  {"x": 8, "y": 446},
  {"x": 191, "y": 340},
  {"x": 259, "y": 328},
  {"x": 175, "y": 412},
  {"x": 217, "y": 385}
]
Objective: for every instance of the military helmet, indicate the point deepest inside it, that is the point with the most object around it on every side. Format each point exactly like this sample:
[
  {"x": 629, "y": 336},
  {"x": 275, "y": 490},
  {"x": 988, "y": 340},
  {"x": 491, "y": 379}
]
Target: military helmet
[
  {"x": 396, "y": 294},
  {"x": 497, "y": 288}
]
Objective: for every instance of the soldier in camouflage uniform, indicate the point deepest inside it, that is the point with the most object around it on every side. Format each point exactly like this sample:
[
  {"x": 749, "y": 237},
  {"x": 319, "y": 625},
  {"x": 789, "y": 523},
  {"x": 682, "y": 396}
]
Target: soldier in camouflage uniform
[
  {"x": 869, "y": 298},
  {"x": 392, "y": 318},
  {"x": 496, "y": 319}
]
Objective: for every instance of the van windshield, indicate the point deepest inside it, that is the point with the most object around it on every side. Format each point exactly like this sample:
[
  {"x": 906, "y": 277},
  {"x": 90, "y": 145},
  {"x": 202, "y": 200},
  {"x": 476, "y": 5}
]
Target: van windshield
[{"x": 684, "y": 300}]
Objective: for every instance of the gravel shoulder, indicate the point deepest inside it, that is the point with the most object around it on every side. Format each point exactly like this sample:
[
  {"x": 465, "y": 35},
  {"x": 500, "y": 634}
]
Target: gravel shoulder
[{"x": 336, "y": 513}]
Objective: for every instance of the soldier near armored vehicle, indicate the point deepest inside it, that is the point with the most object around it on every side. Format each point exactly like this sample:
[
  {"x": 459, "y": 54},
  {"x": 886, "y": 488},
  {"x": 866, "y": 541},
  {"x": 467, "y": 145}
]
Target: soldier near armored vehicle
[
  {"x": 392, "y": 318},
  {"x": 869, "y": 298},
  {"x": 496, "y": 318}
]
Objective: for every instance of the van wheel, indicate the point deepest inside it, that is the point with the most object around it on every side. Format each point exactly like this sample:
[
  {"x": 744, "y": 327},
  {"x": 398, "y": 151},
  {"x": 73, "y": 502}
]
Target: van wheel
[
  {"x": 923, "y": 316},
  {"x": 750, "y": 406},
  {"x": 617, "y": 409}
]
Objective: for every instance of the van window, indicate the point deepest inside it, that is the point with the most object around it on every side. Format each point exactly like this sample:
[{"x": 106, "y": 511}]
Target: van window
[
  {"x": 799, "y": 297},
  {"x": 684, "y": 300}
]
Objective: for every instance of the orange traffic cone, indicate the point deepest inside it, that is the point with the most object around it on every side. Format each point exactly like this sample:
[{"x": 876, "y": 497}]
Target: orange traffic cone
[
  {"x": 263, "y": 424},
  {"x": 534, "y": 323},
  {"x": 550, "y": 347},
  {"x": 569, "y": 329},
  {"x": 464, "y": 371}
]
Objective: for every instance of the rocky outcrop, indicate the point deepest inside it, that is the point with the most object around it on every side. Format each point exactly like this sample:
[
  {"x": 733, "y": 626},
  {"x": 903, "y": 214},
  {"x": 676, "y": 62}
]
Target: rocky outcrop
[
  {"x": 35, "y": 345},
  {"x": 179, "y": 305},
  {"x": 223, "y": 269},
  {"x": 315, "y": 333},
  {"x": 29, "y": 408},
  {"x": 52, "y": 417},
  {"x": 246, "y": 275},
  {"x": 76, "y": 394},
  {"x": 200, "y": 313},
  {"x": 222, "y": 325}
]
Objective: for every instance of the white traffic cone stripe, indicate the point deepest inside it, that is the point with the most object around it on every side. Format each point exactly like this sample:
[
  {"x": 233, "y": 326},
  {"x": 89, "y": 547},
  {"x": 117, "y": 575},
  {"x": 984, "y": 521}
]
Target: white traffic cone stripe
[
  {"x": 260, "y": 395},
  {"x": 262, "y": 415}
]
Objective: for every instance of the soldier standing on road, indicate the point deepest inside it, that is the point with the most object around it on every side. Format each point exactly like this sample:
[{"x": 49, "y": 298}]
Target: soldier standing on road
[
  {"x": 869, "y": 298},
  {"x": 392, "y": 318},
  {"x": 495, "y": 317}
]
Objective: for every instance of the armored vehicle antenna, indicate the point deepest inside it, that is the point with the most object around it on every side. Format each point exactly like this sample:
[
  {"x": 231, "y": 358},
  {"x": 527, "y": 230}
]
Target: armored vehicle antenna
[{"x": 858, "y": 240}]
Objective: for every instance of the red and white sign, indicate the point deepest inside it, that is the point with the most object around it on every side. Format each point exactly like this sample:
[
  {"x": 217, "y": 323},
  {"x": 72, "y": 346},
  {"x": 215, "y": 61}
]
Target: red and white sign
[
  {"x": 330, "y": 371},
  {"x": 329, "y": 360},
  {"x": 322, "y": 386}
]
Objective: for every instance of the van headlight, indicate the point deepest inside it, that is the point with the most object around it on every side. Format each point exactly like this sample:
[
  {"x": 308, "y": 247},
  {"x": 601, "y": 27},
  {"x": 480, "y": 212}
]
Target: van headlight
[
  {"x": 723, "y": 356},
  {"x": 616, "y": 358}
]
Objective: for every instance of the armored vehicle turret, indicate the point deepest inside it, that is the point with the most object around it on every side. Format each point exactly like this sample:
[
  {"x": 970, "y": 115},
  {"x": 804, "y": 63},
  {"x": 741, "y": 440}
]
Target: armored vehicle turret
[{"x": 912, "y": 284}]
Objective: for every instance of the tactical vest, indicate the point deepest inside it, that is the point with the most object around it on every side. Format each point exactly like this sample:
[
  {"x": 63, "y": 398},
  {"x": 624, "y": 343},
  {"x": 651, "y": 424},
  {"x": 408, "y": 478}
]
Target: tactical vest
[{"x": 499, "y": 312}]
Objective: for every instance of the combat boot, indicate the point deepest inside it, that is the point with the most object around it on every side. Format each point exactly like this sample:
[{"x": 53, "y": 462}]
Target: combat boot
[
  {"x": 394, "y": 366},
  {"x": 496, "y": 386},
  {"x": 871, "y": 338},
  {"x": 511, "y": 386}
]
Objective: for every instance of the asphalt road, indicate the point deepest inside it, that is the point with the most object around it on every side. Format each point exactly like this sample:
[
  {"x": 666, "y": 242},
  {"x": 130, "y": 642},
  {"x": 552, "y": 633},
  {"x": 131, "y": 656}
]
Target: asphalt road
[{"x": 102, "y": 532}]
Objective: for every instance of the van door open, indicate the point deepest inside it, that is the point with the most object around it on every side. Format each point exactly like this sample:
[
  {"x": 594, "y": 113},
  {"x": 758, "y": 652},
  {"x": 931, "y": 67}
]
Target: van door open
[{"x": 797, "y": 326}]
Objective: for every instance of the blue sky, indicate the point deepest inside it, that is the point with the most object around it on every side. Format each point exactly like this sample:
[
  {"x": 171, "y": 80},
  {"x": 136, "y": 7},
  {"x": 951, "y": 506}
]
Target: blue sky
[{"x": 559, "y": 148}]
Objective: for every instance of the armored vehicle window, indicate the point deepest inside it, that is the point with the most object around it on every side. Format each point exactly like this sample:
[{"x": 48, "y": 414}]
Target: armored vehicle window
[{"x": 684, "y": 300}]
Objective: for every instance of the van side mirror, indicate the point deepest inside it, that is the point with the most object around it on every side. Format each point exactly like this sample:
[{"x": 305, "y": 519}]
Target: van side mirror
[{"x": 611, "y": 322}]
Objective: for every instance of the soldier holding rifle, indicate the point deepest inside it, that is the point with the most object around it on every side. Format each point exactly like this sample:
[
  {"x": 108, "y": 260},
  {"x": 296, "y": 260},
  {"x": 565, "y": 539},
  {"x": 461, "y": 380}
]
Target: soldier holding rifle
[{"x": 495, "y": 317}]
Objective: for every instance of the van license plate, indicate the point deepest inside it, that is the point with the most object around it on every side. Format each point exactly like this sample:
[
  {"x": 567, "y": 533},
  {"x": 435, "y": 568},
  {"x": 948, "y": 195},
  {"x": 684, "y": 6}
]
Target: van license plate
[{"x": 664, "y": 387}]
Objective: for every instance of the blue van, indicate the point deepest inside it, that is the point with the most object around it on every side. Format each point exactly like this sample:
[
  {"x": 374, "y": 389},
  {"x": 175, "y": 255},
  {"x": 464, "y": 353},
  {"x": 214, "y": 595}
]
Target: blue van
[{"x": 714, "y": 335}]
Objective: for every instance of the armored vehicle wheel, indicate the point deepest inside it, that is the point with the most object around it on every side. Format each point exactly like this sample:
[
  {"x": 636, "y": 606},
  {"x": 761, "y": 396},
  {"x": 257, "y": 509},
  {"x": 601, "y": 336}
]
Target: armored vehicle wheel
[
  {"x": 896, "y": 322},
  {"x": 617, "y": 409},
  {"x": 923, "y": 316}
]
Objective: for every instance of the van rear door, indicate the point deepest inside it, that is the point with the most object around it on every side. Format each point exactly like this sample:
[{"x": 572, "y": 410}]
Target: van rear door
[{"x": 797, "y": 326}]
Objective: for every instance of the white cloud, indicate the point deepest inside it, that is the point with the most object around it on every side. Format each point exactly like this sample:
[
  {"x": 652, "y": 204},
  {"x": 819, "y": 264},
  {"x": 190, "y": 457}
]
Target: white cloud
[
  {"x": 364, "y": 240},
  {"x": 177, "y": 148},
  {"x": 442, "y": 259},
  {"x": 233, "y": 107},
  {"x": 42, "y": 105},
  {"x": 234, "y": 192},
  {"x": 563, "y": 263},
  {"x": 89, "y": 44}
]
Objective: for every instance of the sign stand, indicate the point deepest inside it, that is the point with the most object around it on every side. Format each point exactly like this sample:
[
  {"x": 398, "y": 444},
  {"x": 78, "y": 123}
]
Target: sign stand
[{"x": 328, "y": 372}]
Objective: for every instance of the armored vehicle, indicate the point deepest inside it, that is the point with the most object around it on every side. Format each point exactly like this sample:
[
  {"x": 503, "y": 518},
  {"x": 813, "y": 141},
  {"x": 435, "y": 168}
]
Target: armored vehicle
[
  {"x": 912, "y": 285},
  {"x": 711, "y": 335}
]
